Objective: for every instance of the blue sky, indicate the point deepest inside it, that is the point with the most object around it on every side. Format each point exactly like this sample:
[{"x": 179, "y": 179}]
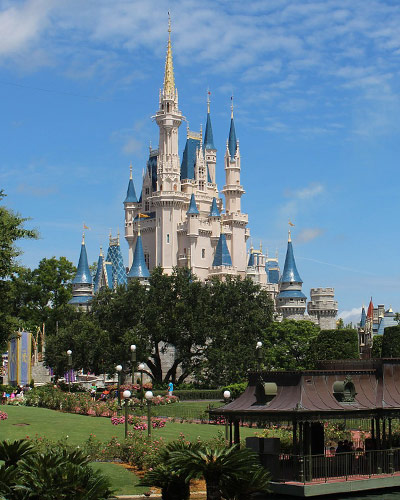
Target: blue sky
[{"x": 317, "y": 106}]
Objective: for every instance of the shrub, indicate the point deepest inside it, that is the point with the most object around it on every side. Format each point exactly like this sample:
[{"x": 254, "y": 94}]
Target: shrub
[{"x": 235, "y": 389}]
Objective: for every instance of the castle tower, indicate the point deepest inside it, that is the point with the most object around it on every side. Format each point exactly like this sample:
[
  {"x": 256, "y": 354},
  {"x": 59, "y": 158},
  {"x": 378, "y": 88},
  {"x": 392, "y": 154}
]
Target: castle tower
[
  {"x": 169, "y": 119},
  {"x": 82, "y": 284},
  {"x": 139, "y": 268},
  {"x": 290, "y": 301},
  {"x": 323, "y": 307},
  {"x": 234, "y": 220},
  {"x": 104, "y": 274},
  {"x": 209, "y": 149}
]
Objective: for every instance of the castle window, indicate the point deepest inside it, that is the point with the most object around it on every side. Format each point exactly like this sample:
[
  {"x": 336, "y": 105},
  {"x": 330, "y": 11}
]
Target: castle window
[
  {"x": 146, "y": 206},
  {"x": 203, "y": 253},
  {"x": 147, "y": 259},
  {"x": 184, "y": 251},
  {"x": 167, "y": 238},
  {"x": 147, "y": 190}
]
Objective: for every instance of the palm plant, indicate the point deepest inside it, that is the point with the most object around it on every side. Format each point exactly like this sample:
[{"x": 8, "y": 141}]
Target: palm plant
[
  {"x": 248, "y": 486},
  {"x": 174, "y": 485},
  {"x": 12, "y": 452},
  {"x": 219, "y": 466}
]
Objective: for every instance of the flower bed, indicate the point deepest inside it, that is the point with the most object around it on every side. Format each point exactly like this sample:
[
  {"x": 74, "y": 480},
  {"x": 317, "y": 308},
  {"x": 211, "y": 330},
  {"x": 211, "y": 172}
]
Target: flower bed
[
  {"x": 139, "y": 423},
  {"x": 3, "y": 415}
]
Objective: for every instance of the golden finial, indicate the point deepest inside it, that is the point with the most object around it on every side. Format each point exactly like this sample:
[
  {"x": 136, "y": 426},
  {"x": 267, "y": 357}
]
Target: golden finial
[
  {"x": 130, "y": 169},
  {"x": 208, "y": 100},
  {"x": 110, "y": 236},
  {"x": 101, "y": 251},
  {"x": 169, "y": 81},
  {"x": 83, "y": 237},
  {"x": 260, "y": 246},
  {"x": 289, "y": 236},
  {"x": 222, "y": 227},
  {"x": 118, "y": 236}
]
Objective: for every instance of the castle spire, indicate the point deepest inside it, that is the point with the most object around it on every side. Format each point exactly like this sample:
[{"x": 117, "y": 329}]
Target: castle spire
[
  {"x": 290, "y": 273},
  {"x": 232, "y": 141},
  {"x": 169, "y": 80},
  {"x": 130, "y": 193},
  {"x": 83, "y": 272},
  {"x": 208, "y": 136},
  {"x": 139, "y": 268}
]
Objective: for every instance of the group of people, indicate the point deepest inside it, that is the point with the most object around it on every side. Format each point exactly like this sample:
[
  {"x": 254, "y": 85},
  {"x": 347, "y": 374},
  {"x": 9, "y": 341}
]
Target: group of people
[{"x": 16, "y": 393}]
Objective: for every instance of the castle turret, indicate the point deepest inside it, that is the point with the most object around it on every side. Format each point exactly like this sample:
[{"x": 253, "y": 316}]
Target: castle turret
[
  {"x": 290, "y": 301},
  {"x": 139, "y": 269},
  {"x": 323, "y": 307},
  {"x": 234, "y": 219},
  {"x": 130, "y": 193},
  {"x": 209, "y": 148},
  {"x": 82, "y": 284},
  {"x": 222, "y": 263}
]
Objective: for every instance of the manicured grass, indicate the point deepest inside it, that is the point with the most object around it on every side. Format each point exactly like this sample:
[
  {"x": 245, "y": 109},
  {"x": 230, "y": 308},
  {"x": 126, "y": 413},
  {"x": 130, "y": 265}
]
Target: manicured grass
[
  {"x": 123, "y": 481},
  {"x": 55, "y": 425}
]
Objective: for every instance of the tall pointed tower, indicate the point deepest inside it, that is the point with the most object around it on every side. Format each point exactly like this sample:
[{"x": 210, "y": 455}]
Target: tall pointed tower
[
  {"x": 82, "y": 284},
  {"x": 234, "y": 220},
  {"x": 139, "y": 268},
  {"x": 290, "y": 301},
  {"x": 210, "y": 150}
]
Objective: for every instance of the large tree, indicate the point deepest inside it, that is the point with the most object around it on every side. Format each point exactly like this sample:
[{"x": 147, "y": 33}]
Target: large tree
[
  {"x": 238, "y": 314},
  {"x": 11, "y": 230},
  {"x": 391, "y": 342},
  {"x": 41, "y": 295}
]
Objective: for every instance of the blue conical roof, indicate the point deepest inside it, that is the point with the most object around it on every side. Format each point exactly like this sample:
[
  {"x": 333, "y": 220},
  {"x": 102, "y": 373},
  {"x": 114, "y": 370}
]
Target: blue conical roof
[
  {"x": 363, "y": 317},
  {"x": 97, "y": 279},
  {"x": 189, "y": 158},
  {"x": 83, "y": 272},
  {"x": 232, "y": 142},
  {"x": 114, "y": 256},
  {"x": 214, "y": 212},
  {"x": 131, "y": 193},
  {"x": 208, "y": 136},
  {"x": 251, "y": 259},
  {"x": 290, "y": 273},
  {"x": 222, "y": 256},
  {"x": 192, "y": 210},
  {"x": 139, "y": 268}
]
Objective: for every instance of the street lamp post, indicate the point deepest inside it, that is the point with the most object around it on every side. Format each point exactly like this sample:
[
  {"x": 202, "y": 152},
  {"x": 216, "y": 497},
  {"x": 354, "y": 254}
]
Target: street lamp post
[
  {"x": 69, "y": 354},
  {"x": 141, "y": 368},
  {"x": 259, "y": 354},
  {"x": 149, "y": 398},
  {"x": 133, "y": 361},
  {"x": 127, "y": 395},
  {"x": 227, "y": 397},
  {"x": 119, "y": 370}
]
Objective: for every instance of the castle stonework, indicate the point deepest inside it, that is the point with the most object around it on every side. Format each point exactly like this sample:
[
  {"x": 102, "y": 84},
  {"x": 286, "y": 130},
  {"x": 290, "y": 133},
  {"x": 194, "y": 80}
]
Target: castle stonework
[{"x": 323, "y": 307}]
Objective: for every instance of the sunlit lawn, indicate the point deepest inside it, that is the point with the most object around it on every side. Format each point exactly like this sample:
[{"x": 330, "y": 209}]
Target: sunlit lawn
[{"x": 24, "y": 421}]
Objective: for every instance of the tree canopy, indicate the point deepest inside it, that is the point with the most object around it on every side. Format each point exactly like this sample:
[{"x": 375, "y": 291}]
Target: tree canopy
[
  {"x": 11, "y": 230},
  {"x": 391, "y": 342},
  {"x": 336, "y": 344}
]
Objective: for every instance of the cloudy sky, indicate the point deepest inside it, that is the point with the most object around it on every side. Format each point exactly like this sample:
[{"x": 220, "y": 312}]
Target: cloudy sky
[{"x": 317, "y": 106}]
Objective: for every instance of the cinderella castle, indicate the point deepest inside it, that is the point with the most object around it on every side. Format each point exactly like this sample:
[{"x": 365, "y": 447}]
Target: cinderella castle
[{"x": 180, "y": 220}]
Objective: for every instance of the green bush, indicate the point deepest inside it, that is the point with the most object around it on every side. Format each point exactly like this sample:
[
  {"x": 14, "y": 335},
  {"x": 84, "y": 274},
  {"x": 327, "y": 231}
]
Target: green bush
[
  {"x": 377, "y": 346},
  {"x": 391, "y": 342},
  {"x": 235, "y": 389},
  {"x": 335, "y": 344}
]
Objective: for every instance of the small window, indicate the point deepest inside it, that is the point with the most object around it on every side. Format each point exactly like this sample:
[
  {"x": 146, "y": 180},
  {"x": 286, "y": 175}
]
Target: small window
[
  {"x": 184, "y": 251},
  {"x": 167, "y": 238},
  {"x": 147, "y": 259},
  {"x": 147, "y": 190},
  {"x": 203, "y": 253},
  {"x": 146, "y": 206}
]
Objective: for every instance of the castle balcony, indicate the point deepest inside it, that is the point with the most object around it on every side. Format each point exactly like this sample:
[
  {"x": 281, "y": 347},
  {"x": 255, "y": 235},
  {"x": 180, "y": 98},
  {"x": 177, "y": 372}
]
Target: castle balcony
[{"x": 235, "y": 217}]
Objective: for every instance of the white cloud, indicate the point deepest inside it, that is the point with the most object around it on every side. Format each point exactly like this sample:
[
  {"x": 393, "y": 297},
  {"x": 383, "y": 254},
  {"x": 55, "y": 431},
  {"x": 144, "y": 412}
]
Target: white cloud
[
  {"x": 309, "y": 234},
  {"x": 352, "y": 316}
]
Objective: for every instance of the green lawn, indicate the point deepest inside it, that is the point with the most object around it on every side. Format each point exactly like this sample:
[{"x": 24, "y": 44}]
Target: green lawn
[{"x": 24, "y": 421}]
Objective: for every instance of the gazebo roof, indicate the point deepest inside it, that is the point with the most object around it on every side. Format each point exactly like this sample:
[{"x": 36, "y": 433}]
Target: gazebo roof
[{"x": 314, "y": 394}]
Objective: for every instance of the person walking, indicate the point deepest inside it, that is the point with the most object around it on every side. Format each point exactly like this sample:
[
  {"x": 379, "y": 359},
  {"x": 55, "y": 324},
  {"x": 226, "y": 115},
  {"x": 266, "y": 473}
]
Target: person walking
[{"x": 170, "y": 388}]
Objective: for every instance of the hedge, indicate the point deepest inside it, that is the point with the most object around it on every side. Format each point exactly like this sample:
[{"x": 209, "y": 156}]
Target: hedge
[{"x": 194, "y": 394}]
